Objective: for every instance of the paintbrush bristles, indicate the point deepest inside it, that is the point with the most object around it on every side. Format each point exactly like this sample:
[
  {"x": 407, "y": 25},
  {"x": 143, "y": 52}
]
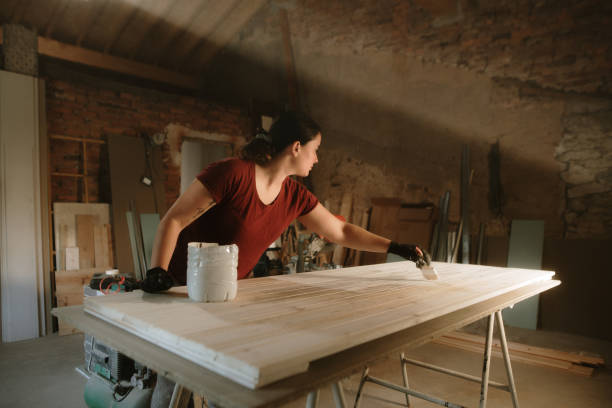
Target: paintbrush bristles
[{"x": 429, "y": 272}]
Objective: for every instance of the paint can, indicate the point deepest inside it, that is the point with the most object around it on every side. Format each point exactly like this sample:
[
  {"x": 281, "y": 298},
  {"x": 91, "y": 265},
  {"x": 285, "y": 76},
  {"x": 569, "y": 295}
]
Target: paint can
[{"x": 212, "y": 272}]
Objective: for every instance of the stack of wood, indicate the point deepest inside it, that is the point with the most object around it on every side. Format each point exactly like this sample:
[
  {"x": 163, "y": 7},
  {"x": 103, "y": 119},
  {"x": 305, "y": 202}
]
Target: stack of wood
[
  {"x": 575, "y": 363},
  {"x": 84, "y": 246}
]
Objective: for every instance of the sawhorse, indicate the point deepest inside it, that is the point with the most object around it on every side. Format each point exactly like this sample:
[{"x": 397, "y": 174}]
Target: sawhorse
[{"x": 484, "y": 380}]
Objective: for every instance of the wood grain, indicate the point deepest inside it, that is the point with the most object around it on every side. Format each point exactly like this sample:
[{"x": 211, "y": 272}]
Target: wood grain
[
  {"x": 227, "y": 393},
  {"x": 85, "y": 239},
  {"x": 278, "y": 324}
]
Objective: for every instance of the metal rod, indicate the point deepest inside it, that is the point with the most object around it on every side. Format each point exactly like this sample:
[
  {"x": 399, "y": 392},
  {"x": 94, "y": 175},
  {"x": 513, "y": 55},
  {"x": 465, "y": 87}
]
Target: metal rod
[
  {"x": 455, "y": 373},
  {"x": 480, "y": 243},
  {"x": 364, "y": 377},
  {"x": 487, "y": 362},
  {"x": 313, "y": 399},
  {"x": 405, "y": 376},
  {"x": 465, "y": 204},
  {"x": 412, "y": 392},
  {"x": 338, "y": 394},
  {"x": 504, "y": 345}
]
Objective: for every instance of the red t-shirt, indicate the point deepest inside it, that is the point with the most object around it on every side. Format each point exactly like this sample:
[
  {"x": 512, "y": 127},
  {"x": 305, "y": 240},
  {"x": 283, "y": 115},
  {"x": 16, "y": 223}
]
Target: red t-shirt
[{"x": 239, "y": 217}]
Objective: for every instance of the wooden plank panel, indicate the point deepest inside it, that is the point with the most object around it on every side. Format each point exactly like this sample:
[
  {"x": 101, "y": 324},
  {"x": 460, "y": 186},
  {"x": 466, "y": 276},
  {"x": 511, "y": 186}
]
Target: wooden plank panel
[
  {"x": 101, "y": 246},
  {"x": 72, "y": 258},
  {"x": 85, "y": 239},
  {"x": 65, "y": 214},
  {"x": 278, "y": 324}
]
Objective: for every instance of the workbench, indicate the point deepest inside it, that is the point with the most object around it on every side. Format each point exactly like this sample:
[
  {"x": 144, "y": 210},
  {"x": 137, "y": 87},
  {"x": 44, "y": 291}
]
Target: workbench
[{"x": 505, "y": 287}]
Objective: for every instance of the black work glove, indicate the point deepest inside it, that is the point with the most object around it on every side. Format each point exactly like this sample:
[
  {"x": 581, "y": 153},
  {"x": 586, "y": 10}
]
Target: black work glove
[
  {"x": 411, "y": 252},
  {"x": 157, "y": 280}
]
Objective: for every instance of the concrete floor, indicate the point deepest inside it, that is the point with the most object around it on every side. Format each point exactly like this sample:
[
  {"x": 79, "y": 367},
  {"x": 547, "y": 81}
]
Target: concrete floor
[{"x": 41, "y": 373}]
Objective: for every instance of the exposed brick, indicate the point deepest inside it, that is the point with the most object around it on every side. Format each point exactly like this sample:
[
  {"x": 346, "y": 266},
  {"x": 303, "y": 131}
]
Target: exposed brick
[{"x": 96, "y": 109}]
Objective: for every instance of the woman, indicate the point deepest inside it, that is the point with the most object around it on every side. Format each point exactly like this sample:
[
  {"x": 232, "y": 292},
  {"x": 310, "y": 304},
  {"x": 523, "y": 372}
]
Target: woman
[{"x": 251, "y": 200}]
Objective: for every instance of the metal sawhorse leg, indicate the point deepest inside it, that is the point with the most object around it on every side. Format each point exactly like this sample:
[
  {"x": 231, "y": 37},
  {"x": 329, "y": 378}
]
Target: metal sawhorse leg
[
  {"x": 313, "y": 397},
  {"x": 484, "y": 380}
]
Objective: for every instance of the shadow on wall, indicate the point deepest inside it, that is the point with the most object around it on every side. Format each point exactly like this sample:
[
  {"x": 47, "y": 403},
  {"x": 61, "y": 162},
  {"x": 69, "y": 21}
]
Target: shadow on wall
[{"x": 404, "y": 139}]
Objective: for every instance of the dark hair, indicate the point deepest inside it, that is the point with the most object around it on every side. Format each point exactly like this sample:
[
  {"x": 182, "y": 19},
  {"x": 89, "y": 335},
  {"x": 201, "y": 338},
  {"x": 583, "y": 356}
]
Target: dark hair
[{"x": 289, "y": 127}]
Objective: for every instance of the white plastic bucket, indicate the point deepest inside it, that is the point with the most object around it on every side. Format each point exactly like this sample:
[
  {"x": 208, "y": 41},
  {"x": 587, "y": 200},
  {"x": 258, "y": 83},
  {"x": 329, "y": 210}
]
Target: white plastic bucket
[{"x": 212, "y": 272}]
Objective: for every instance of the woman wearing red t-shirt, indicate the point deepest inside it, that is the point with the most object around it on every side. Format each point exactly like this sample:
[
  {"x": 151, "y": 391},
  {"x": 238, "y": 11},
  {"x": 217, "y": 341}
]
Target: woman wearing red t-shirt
[{"x": 250, "y": 200}]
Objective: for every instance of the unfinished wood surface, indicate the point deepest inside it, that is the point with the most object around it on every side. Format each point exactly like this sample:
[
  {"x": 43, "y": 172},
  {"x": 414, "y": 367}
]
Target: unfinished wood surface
[
  {"x": 72, "y": 258},
  {"x": 64, "y": 214},
  {"x": 278, "y": 324},
  {"x": 322, "y": 372},
  {"x": 102, "y": 246},
  {"x": 85, "y": 239},
  {"x": 69, "y": 291}
]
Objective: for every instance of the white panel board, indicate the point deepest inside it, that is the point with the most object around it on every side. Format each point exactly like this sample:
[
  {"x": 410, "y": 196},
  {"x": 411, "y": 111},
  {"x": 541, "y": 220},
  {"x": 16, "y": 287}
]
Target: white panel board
[{"x": 20, "y": 216}]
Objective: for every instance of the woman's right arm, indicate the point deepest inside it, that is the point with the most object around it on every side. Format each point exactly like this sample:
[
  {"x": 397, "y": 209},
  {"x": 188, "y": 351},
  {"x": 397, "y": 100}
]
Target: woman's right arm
[{"x": 194, "y": 202}]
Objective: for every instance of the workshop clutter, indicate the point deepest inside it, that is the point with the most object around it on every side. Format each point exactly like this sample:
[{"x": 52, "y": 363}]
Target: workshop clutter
[{"x": 212, "y": 271}]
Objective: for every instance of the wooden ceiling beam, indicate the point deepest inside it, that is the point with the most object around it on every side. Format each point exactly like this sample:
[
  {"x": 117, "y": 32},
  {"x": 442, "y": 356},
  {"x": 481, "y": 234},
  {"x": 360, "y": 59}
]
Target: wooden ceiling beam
[{"x": 72, "y": 53}]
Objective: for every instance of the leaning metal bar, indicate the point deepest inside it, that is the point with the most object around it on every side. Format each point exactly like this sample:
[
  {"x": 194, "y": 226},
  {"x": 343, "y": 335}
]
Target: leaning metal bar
[
  {"x": 454, "y": 373},
  {"x": 338, "y": 394},
  {"x": 486, "y": 365},
  {"x": 405, "y": 377},
  {"x": 364, "y": 378},
  {"x": 413, "y": 393},
  {"x": 504, "y": 344}
]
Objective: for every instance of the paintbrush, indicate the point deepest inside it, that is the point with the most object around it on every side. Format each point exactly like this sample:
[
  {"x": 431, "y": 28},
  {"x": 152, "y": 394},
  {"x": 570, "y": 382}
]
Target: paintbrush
[{"x": 429, "y": 272}]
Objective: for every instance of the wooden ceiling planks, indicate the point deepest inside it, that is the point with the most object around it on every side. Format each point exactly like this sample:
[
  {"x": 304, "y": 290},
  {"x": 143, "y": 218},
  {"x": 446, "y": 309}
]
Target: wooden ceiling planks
[
  {"x": 277, "y": 325},
  {"x": 8, "y": 8},
  {"x": 194, "y": 28},
  {"x": 171, "y": 24},
  {"x": 216, "y": 14},
  {"x": 223, "y": 33},
  {"x": 37, "y": 17},
  {"x": 58, "y": 13},
  {"x": 149, "y": 18},
  {"x": 119, "y": 19},
  {"x": 127, "y": 21},
  {"x": 20, "y": 11},
  {"x": 74, "y": 20},
  {"x": 178, "y": 35}
]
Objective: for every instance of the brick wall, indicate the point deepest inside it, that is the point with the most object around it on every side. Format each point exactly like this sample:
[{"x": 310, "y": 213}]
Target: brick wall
[{"x": 93, "y": 108}]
